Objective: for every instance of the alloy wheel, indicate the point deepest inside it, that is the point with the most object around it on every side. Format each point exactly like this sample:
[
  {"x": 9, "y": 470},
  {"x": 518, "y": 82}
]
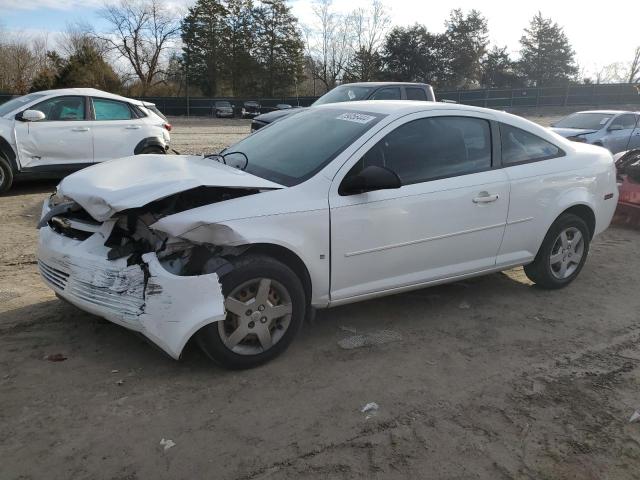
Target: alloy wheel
[
  {"x": 258, "y": 316},
  {"x": 566, "y": 253}
]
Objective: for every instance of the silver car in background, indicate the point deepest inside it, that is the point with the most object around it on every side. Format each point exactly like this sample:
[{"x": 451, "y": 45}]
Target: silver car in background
[{"x": 615, "y": 130}]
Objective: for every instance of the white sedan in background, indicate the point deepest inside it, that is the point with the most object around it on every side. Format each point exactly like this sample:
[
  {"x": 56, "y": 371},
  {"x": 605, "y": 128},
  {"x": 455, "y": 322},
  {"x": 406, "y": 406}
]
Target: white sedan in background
[
  {"x": 55, "y": 132},
  {"x": 338, "y": 204}
]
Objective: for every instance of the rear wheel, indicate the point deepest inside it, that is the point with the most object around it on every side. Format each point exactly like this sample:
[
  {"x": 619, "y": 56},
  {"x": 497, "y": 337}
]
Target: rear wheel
[
  {"x": 562, "y": 254},
  {"x": 6, "y": 175},
  {"x": 265, "y": 305}
]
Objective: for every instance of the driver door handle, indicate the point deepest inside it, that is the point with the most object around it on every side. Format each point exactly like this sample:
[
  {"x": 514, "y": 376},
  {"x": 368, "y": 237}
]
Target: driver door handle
[
  {"x": 133, "y": 127},
  {"x": 80, "y": 129},
  {"x": 485, "y": 197}
]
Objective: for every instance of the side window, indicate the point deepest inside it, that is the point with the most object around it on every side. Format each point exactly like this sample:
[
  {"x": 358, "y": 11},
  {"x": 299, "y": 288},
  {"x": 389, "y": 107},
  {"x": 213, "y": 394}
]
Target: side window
[
  {"x": 519, "y": 146},
  {"x": 414, "y": 93},
  {"x": 432, "y": 148},
  {"x": 625, "y": 122},
  {"x": 111, "y": 109},
  {"x": 62, "y": 109},
  {"x": 389, "y": 93}
]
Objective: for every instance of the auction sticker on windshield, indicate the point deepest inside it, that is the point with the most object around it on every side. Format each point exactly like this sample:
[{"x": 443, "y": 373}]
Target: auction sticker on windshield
[{"x": 356, "y": 117}]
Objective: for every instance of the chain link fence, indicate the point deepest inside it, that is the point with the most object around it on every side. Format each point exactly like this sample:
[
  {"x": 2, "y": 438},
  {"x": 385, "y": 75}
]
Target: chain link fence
[{"x": 498, "y": 98}]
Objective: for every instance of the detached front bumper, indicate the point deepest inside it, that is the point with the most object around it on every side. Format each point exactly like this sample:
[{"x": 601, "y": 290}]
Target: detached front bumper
[{"x": 166, "y": 308}]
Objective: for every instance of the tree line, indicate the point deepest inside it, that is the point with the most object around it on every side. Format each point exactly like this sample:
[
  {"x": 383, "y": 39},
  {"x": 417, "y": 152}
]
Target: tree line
[{"x": 259, "y": 48}]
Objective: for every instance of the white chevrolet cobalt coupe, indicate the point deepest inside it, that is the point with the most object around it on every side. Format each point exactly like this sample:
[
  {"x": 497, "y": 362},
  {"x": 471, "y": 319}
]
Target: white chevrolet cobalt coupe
[{"x": 337, "y": 204}]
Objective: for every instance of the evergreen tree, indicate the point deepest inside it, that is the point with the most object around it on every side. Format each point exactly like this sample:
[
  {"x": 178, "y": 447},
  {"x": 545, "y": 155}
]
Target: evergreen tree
[
  {"x": 240, "y": 66},
  {"x": 466, "y": 41},
  {"x": 364, "y": 66},
  {"x": 546, "y": 57},
  {"x": 278, "y": 47},
  {"x": 498, "y": 70},
  {"x": 412, "y": 54},
  {"x": 84, "y": 68},
  {"x": 204, "y": 31}
]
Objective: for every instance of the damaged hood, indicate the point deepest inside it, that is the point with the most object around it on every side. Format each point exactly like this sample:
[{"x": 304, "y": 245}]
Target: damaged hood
[
  {"x": 572, "y": 132},
  {"x": 109, "y": 187}
]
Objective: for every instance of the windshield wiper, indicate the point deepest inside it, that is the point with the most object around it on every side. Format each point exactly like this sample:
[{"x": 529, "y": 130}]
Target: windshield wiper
[{"x": 237, "y": 160}]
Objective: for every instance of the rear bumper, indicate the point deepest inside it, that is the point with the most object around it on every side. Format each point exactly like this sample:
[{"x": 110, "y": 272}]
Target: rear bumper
[{"x": 166, "y": 308}]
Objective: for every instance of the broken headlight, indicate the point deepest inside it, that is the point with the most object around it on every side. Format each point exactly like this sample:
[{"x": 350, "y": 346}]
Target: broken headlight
[{"x": 56, "y": 199}]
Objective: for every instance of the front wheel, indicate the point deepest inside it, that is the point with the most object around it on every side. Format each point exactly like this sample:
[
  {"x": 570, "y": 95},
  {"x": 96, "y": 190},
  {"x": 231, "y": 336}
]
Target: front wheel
[
  {"x": 6, "y": 175},
  {"x": 265, "y": 305},
  {"x": 562, "y": 254}
]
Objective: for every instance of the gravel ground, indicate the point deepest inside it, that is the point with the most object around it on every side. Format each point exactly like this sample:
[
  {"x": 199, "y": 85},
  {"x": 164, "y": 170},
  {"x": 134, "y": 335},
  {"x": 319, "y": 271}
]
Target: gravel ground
[{"x": 489, "y": 378}]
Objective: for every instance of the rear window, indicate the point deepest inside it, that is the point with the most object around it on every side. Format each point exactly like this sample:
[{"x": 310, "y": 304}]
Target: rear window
[
  {"x": 519, "y": 146},
  {"x": 414, "y": 93},
  {"x": 155, "y": 110},
  {"x": 111, "y": 109}
]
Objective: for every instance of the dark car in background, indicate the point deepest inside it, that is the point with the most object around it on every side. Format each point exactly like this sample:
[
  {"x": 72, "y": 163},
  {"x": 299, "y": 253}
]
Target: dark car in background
[
  {"x": 350, "y": 92},
  {"x": 250, "y": 109},
  {"x": 223, "y": 109}
]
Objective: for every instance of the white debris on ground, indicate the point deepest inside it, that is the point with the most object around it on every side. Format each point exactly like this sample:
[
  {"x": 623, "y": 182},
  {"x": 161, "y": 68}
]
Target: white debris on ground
[
  {"x": 464, "y": 305},
  {"x": 370, "y": 410},
  {"x": 635, "y": 417},
  {"x": 167, "y": 444},
  {"x": 378, "y": 337}
]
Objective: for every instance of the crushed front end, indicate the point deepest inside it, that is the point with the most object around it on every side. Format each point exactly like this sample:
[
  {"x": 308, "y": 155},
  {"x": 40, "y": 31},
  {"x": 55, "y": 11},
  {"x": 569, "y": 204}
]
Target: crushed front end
[{"x": 121, "y": 270}]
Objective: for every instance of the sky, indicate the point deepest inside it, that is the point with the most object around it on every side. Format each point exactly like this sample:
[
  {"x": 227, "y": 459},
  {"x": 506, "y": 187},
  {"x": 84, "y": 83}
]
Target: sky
[{"x": 600, "y": 36}]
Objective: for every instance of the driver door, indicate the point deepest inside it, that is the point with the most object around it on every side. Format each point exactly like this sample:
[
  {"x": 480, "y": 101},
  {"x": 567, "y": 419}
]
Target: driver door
[
  {"x": 619, "y": 132},
  {"x": 446, "y": 220},
  {"x": 63, "y": 138}
]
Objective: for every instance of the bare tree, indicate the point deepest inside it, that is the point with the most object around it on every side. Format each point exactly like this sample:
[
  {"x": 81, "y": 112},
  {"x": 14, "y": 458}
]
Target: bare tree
[
  {"x": 142, "y": 32},
  {"x": 370, "y": 27},
  {"x": 634, "y": 67},
  {"x": 328, "y": 43},
  {"x": 21, "y": 58},
  {"x": 80, "y": 35}
]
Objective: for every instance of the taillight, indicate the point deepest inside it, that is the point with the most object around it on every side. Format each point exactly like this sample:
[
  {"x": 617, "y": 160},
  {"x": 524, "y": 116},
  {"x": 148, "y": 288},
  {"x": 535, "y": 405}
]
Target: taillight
[{"x": 168, "y": 127}]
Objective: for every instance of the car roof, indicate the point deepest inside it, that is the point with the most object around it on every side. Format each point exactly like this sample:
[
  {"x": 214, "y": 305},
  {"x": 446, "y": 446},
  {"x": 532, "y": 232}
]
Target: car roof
[
  {"x": 380, "y": 84},
  {"x": 93, "y": 92},
  {"x": 400, "y": 108},
  {"x": 606, "y": 112}
]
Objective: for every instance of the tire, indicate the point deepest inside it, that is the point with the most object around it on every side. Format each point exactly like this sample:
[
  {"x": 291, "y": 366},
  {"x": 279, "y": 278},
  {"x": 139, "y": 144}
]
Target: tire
[
  {"x": 152, "y": 149},
  {"x": 6, "y": 175},
  {"x": 560, "y": 244},
  {"x": 239, "y": 341}
]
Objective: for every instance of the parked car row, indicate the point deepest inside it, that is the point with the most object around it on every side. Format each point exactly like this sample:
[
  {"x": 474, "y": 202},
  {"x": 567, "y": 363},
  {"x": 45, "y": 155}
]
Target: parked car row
[{"x": 249, "y": 109}]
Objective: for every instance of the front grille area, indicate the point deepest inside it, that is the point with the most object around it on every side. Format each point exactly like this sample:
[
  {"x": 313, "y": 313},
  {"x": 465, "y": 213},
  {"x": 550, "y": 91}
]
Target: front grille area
[
  {"x": 54, "y": 276},
  {"x": 119, "y": 292}
]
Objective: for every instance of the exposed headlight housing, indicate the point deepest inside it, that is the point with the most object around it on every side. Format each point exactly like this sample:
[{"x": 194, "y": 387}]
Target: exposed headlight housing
[{"x": 56, "y": 199}]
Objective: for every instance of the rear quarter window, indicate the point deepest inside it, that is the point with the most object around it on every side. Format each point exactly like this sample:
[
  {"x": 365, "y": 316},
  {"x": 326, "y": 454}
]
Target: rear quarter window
[{"x": 520, "y": 146}]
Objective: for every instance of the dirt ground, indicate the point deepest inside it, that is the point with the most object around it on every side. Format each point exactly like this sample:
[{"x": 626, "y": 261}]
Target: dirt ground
[{"x": 489, "y": 378}]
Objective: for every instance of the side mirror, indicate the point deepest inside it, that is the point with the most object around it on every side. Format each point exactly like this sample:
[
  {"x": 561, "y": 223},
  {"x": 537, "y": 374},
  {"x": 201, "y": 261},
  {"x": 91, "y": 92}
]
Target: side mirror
[
  {"x": 614, "y": 128},
  {"x": 370, "y": 179},
  {"x": 32, "y": 116}
]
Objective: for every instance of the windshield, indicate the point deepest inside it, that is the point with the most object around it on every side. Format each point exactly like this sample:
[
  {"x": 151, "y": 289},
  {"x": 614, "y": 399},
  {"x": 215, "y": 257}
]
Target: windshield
[
  {"x": 585, "y": 121},
  {"x": 344, "y": 93},
  {"x": 223, "y": 104},
  {"x": 295, "y": 148},
  {"x": 16, "y": 103}
]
